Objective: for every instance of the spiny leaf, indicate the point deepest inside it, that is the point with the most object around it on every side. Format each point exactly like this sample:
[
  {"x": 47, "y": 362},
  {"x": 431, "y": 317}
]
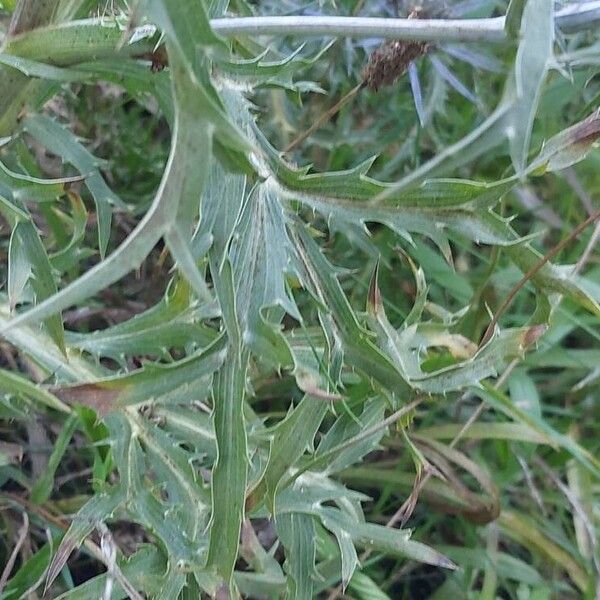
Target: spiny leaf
[
  {"x": 152, "y": 383},
  {"x": 405, "y": 348},
  {"x": 180, "y": 182},
  {"x": 172, "y": 323},
  {"x": 37, "y": 344},
  {"x": 187, "y": 25},
  {"x": 144, "y": 570},
  {"x": 388, "y": 540},
  {"x": 73, "y": 42},
  {"x": 297, "y": 534},
  {"x": 97, "y": 510},
  {"x": 557, "y": 279},
  {"x": 569, "y": 146},
  {"x": 220, "y": 208},
  {"x": 29, "y": 254},
  {"x": 175, "y": 471},
  {"x": 189, "y": 426},
  {"x": 345, "y": 428},
  {"x": 230, "y": 471},
  {"x": 142, "y": 503},
  {"x": 533, "y": 58},
  {"x": 14, "y": 383},
  {"x": 62, "y": 142},
  {"x": 359, "y": 351},
  {"x": 276, "y": 73},
  {"x": 351, "y": 196},
  {"x": 290, "y": 439},
  {"x": 258, "y": 272}
]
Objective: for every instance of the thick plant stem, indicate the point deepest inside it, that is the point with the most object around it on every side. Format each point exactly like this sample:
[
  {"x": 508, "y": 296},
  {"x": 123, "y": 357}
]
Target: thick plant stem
[
  {"x": 490, "y": 30},
  {"x": 584, "y": 16}
]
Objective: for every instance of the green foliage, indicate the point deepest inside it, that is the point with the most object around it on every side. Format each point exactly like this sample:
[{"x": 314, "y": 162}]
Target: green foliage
[{"x": 239, "y": 371}]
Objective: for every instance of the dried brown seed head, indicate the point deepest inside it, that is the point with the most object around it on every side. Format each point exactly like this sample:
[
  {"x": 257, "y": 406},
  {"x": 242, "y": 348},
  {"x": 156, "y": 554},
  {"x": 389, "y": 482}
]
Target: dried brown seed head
[{"x": 391, "y": 60}]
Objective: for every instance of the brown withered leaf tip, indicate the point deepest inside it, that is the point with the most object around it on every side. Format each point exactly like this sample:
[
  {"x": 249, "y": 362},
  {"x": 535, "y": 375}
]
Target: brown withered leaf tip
[
  {"x": 588, "y": 131},
  {"x": 103, "y": 400},
  {"x": 391, "y": 60},
  {"x": 158, "y": 59},
  {"x": 533, "y": 334}
]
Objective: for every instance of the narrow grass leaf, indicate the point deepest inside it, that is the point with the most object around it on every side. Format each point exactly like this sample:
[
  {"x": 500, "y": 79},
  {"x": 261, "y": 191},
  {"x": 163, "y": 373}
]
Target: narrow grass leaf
[
  {"x": 42, "y": 488},
  {"x": 527, "y": 533},
  {"x": 33, "y": 68},
  {"x": 508, "y": 566},
  {"x": 501, "y": 402},
  {"x": 517, "y": 432}
]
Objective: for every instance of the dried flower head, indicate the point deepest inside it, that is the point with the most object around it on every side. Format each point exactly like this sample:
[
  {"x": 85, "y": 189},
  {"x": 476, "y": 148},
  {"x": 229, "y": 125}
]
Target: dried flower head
[{"x": 391, "y": 60}]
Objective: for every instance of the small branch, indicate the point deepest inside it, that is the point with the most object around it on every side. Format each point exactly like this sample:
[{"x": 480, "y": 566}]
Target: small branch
[
  {"x": 573, "y": 18},
  {"x": 326, "y": 116},
  {"x": 587, "y": 253},
  {"x": 571, "y": 178},
  {"x": 533, "y": 272},
  {"x": 22, "y": 535}
]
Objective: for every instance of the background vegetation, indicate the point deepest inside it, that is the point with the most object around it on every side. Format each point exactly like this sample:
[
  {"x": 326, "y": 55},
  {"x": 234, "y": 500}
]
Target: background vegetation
[{"x": 246, "y": 357}]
